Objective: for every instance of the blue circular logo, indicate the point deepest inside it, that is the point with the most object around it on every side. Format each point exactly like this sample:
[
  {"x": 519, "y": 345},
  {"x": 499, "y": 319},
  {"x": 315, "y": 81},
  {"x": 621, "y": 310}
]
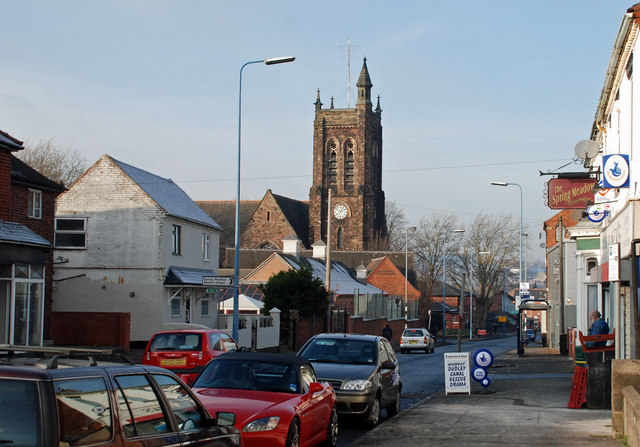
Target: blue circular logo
[
  {"x": 483, "y": 358},
  {"x": 479, "y": 374},
  {"x": 616, "y": 170},
  {"x": 485, "y": 382}
]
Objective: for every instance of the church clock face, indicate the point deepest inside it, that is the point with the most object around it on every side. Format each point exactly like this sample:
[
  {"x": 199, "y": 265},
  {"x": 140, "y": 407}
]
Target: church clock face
[{"x": 340, "y": 211}]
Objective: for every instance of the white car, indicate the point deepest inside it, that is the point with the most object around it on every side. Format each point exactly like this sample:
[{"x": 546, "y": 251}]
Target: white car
[{"x": 417, "y": 338}]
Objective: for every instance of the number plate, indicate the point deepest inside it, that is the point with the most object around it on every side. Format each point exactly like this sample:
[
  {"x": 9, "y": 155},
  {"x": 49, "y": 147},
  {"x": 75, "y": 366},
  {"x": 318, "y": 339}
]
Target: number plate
[
  {"x": 413, "y": 342},
  {"x": 173, "y": 362}
]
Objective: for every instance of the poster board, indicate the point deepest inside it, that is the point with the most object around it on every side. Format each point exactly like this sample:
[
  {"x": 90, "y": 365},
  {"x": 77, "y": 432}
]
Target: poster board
[{"x": 456, "y": 372}]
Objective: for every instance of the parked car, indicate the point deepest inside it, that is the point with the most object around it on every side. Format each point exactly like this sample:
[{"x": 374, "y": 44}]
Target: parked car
[
  {"x": 530, "y": 336},
  {"x": 363, "y": 370},
  {"x": 186, "y": 352},
  {"x": 277, "y": 399},
  {"x": 417, "y": 339},
  {"x": 58, "y": 404}
]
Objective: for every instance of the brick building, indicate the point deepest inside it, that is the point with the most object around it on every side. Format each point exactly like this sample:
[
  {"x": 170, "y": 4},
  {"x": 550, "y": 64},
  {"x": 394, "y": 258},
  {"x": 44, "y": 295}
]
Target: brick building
[{"x": 27, "y": 206}]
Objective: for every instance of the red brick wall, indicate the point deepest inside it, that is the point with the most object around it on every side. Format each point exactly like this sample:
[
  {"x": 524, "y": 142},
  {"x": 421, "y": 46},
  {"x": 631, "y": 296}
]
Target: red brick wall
[
  {"x": 267, "y": 225},
  {"x": 91, "y": 328}
]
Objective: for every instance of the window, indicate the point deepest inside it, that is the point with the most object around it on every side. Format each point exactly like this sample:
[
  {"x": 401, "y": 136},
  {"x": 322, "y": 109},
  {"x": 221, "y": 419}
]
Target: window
[
  {"x": 35, "y": 204},
  {"x": 308, "y": 377},
  {"x": 23, "y": 424},
  {"x": 204, "y": 307},
  {"x": 591, "y": 264},
  {"x": 333, "y": 162},
  {"x": 268, "y": 216},
  {"x": 216, "y": 343},
  {"x": 140, "y": 409},
  {"x": 339, "y": 242},
  {"x": 70, "y": 233},
  {"x": 206, "y": 240},
  {"x": 175, "y": 239},
  {"x": 84, "y": 411},
  {"x": 188, "y": 413},
  {"x": 175, "y": 306},
  {"x": 228, "y": 343},
  {"x": 348, "y": 169}
]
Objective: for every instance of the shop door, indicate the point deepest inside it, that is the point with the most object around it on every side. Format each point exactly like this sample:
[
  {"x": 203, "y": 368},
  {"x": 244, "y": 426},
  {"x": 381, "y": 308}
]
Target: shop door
[{"x": 27, "y": 314}]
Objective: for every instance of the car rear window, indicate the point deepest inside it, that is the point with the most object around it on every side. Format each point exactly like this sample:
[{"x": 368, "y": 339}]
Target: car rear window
[
  {"x": 340, "y": 350},
  {"x": 176, "y": 341},
  {"x": 412, "y": 333},
  {"x": 19, "y": 414}
]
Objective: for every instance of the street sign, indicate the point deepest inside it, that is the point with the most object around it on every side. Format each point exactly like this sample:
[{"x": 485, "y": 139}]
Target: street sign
[
  {"x": 212, "y": 290},
  {"x": 217, "y": 281}
]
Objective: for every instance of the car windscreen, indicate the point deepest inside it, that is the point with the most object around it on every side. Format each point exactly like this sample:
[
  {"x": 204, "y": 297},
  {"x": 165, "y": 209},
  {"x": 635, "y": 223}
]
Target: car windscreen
[
  {"x": 249, "y": 375},
  {"x": 20, "y": 413},
  {"x": 176, "y": 341},
  {"x": 340, "y": 350}
]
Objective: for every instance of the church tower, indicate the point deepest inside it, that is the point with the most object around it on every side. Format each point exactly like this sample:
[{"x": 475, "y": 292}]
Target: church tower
[{"x": 347, "y": 158}]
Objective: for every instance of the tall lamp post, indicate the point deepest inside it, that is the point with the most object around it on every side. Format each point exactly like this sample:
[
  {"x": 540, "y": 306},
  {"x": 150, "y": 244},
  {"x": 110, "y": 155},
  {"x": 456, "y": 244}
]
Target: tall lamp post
[
  {"x": 236, "y": 258},
  {"x": 444, "y": 284},
  {"x": 406, "y": 272},
  {"x": 519, "y": 343}
]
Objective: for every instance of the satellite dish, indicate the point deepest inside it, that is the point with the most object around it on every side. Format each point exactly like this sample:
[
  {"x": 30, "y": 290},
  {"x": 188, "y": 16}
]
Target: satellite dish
[{"x": 586, "y": 149}]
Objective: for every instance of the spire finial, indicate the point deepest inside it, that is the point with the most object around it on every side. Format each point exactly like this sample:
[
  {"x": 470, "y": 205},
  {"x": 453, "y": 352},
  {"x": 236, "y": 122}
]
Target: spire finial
[
  {"x": 332, "y": 102},
  {"x": 318, "y": 104},
  {"x": 378, "y": 109}
]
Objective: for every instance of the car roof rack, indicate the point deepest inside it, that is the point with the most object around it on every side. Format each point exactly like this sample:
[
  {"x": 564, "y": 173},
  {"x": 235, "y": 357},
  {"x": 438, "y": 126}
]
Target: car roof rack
[{"x": 59, "y": 352}]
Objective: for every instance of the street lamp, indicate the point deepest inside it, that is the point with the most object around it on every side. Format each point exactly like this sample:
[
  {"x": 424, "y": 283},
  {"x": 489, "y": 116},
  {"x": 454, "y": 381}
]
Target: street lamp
[
  {"x": 406, "y": 271},
  {"x": 519, "y": 344},
  {"x": 444, "y": 284},
  {"x": 236, "y": 260}
]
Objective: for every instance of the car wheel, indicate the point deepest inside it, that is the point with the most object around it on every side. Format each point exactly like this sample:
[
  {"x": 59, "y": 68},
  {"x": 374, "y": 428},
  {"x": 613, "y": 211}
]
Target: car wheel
[
  {"x": 427, "y": 350},
  {"x": 373, "y": 417},
  {"x": 433, "y": 349},
  {"x": 332, "y": 429},
  {"x": 293, "y": 437},
  {"x": 395, "y": 407}
]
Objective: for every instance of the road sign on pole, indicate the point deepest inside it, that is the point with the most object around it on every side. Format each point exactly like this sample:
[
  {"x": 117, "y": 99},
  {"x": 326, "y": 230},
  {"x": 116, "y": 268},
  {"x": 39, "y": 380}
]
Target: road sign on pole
[{"x": 217, "y": 281}]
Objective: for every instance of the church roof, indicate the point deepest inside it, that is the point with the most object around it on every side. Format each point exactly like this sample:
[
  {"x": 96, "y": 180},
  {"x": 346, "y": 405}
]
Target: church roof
[
  {"x": 224, "y": 212},
  {"x": 297, "y": 213}
]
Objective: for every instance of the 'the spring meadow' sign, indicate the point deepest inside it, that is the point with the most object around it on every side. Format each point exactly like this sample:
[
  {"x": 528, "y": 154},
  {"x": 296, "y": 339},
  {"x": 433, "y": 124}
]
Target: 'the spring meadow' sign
[{"x": 570, "y": 193}]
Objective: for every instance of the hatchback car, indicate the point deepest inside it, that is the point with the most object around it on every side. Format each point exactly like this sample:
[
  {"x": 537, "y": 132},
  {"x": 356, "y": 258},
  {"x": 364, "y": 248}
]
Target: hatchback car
[
  {"x": 362, "y": 369},
  {"x": 417, "y": 339},
  {"x": 276, "y": 398},
  {"x": 186, "y": 352},
  {"x": 57, "y": 404}
]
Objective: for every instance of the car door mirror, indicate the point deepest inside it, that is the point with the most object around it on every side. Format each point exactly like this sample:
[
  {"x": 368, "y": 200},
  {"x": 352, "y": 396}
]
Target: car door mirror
[
  {"x": 224, "y": 418},
  {"x": 315, "y": 387},
  {"x": 388, "y": 365}
]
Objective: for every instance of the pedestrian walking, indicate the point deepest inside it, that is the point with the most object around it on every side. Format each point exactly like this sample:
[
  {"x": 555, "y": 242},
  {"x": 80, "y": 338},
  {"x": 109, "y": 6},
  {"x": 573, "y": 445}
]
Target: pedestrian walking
[{"x": 387, "y": 332}]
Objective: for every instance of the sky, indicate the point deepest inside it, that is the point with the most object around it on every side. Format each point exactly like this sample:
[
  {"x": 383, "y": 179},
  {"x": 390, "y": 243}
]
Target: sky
[{"x": 470, "y": 92}]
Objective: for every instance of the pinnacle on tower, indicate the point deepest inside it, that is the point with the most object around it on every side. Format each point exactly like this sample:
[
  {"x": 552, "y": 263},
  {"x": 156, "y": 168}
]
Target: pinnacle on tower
[{"x": 364, "y": 86}]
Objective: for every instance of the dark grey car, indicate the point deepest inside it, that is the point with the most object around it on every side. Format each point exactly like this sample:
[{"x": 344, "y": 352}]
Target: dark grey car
[{"x": 363, "y": 370}]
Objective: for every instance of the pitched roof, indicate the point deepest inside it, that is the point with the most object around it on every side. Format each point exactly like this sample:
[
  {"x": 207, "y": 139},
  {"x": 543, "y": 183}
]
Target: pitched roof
[
  {"x": 224, "y": 212},
  {"x": 297, "y": 213},
  {"x": 22, "y": 173},
  {"x": 343, "y": 281},
  {"x": 14, "y": 233},
  {"x": 167, "y": 195},
  {"x": 7, "y": 142}
]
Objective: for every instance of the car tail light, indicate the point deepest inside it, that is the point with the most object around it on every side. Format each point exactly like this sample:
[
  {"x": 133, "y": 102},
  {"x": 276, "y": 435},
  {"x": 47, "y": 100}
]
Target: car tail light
[
  {"x": 401, "y": 341},
  {"x": 426, "y": 340}
]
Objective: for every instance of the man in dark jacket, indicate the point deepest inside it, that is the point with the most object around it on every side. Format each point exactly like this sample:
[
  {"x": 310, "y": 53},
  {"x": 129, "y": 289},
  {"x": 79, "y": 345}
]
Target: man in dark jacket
[
  {"x": 387, "y": 332},
  {"x": 597, "y": 327}
]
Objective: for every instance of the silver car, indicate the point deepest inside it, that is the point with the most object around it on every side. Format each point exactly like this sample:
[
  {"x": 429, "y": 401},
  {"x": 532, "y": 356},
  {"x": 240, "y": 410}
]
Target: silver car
[
  {"x": 362, "y": 369},
  {"x": 417, "y": 339}
]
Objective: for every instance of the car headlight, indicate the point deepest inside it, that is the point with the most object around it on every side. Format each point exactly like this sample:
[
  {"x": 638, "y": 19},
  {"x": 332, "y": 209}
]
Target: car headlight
[
  {"x": 263, "y": 424},
  {"x": 356, "y": 385}
]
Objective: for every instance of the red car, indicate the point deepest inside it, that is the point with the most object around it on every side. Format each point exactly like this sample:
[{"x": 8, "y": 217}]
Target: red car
[
  {"x": 186, "y": 351},
  {"x": 276, "y": 398}
]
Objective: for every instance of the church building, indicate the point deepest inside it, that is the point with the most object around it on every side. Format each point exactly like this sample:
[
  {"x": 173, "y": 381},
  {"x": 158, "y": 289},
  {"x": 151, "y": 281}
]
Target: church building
[{"x": 347, "y": 160}]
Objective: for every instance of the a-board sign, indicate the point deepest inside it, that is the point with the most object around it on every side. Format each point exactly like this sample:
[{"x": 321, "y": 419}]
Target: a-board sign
[{"x": 456, "y": 372}]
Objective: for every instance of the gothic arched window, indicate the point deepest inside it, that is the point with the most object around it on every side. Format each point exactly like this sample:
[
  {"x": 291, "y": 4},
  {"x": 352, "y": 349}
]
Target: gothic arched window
[
  {"x": 333, "y": 161},
  {"x": 349, "y": 162}
]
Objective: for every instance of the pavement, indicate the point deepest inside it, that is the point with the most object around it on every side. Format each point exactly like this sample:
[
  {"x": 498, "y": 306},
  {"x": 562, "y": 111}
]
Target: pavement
[{"x": 526, "y": 404}]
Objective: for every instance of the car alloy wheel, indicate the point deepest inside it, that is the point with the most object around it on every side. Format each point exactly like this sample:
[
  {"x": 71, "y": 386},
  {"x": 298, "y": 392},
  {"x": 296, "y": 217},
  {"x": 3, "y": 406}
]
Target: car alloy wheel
[
  {"x": 332, "y": 429},
  {"x": 374, "y": 413},
  {"x": 293, "y": 437}
]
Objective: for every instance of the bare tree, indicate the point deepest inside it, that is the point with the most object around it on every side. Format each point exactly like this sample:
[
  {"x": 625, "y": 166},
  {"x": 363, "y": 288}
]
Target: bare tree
[
  {"x": 488, "y": 252},
  {"x": 56, "y": 163},
  {"x": 428, "y": 245},
  {"x": 396, "y": 225}
]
